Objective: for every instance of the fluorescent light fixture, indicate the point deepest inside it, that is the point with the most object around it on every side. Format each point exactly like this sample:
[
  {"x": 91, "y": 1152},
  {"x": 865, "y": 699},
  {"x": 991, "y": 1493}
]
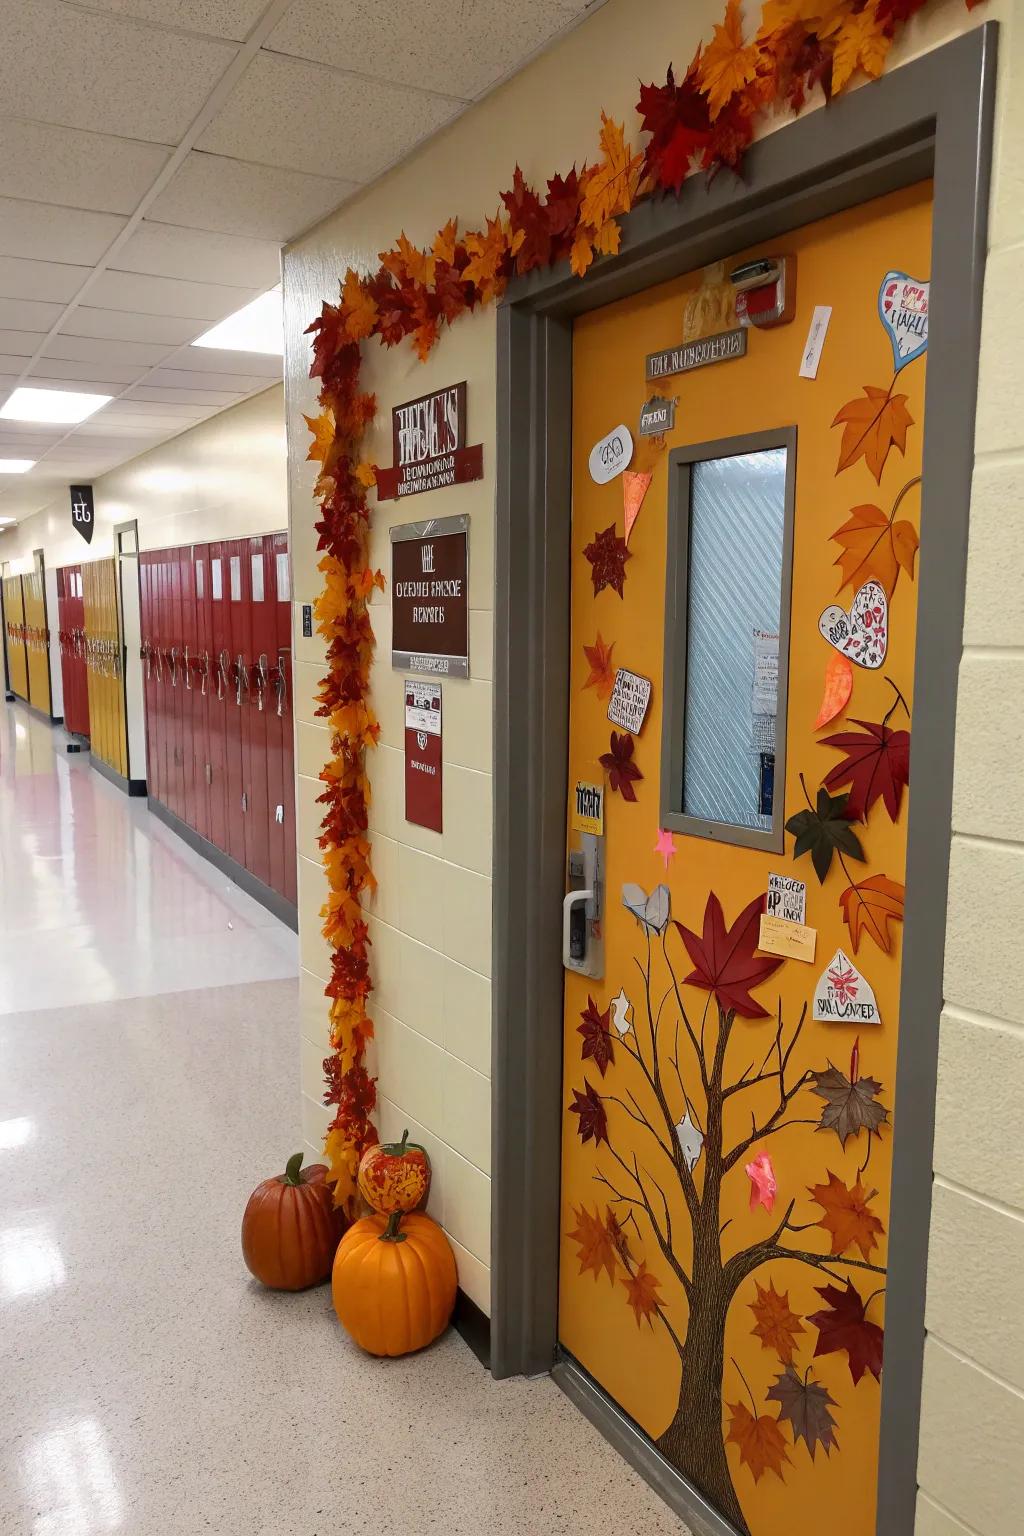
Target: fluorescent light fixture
[
  {"x": 258, "y": 327},
  {"x": 60, "y": 406},
  {"x": 5, "y": 522},
  {"x": 15, "y": 466}
]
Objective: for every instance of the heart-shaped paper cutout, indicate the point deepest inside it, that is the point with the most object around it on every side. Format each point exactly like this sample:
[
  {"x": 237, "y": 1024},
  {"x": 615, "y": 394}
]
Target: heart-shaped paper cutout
[
  {"x": 903, "y": 310},
  {"x": 863, "y": 633}
]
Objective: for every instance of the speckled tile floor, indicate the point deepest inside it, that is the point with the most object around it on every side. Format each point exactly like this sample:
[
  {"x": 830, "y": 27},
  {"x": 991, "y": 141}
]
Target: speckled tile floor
[{"x": 147, "y": 1386}]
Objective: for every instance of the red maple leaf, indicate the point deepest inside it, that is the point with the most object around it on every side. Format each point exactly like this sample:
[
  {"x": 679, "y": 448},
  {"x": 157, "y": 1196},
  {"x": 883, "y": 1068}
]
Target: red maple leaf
[
  {"x": 531, "y": 232},
  {"x": 619, "y": 765},
  {"x": 842, "y": 1326},
  {"x": 642, "y": 1293},
  {"x": 678, "y": 120},
  {"x": 593, "y": 1121},
  {"x": 876, "y": 765},
  {"x": 724, "y": 959},
  {"x": 891, "y": 14},
  {"x": 562, "y": 211},
  {"x": 607, "y": 554},
  {"x": 328, "y": 335},
  {"x": 597, "y": 1040}
]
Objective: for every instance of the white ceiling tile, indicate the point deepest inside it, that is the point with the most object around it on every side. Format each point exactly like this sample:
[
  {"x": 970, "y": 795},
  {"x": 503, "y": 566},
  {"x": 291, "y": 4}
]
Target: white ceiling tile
[
  {"x": 24, "y": 315},
  {"x": 165, "y": 250},
  {"x": 282, "y": 109},
  {"x": 59, "y": 64},
  {"x": 178, "y": 378},
  {"x": 168, "y": 296},
  {"x": 20, "y": 343},
  {"x": 11, "y": 365},
  {"x": 394, "y": 41},
  {"x": 126, "y": 410},
  {"x": 48, "y": 164},
  {"x": 50, "y": 280},
  {"x": 122, "y": 325},
  {"x": 216, "y": 18},
  {"x": 219, "y": 360},
  {"x": 216, "y": 398},
  {"x": 212, "y": 192},
  {"x": 90, "y": 349},
  {"x": 72, "y": 386},
  {"x": 106, "y": 378},
  {"x": 40, "y": 231}
]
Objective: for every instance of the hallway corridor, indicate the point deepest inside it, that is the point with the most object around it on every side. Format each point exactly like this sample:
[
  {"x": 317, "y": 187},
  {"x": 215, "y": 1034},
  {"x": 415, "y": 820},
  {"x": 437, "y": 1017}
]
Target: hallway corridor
[{"x": 148, "y": 1064}]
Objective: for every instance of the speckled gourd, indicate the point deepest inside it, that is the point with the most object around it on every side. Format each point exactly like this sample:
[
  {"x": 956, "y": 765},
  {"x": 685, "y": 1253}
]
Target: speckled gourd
[
  {"x": 394, "y": 1176},
  {"x": 394, "y": 1282},
  {"x": 290, "y": 1228}
]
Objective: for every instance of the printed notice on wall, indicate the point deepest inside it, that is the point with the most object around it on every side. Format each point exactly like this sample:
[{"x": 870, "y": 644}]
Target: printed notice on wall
[
  {"x": 430, "y": 597},
  {"x": 844, "y": 996},
  {"x": 787, "y": 898},
  {"x": 423, "y": 753},
  {"x": 627, "y": 707}
]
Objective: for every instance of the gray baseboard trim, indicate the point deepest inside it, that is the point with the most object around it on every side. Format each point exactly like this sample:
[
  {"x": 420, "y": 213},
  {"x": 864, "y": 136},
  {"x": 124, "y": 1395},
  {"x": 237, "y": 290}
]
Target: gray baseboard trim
[
  {"x": 285, "y": 910},
  {"x": 136, "y": 788},
  {"x": 635, "y": 1447},
  {"x": 474, "y": 1326}
]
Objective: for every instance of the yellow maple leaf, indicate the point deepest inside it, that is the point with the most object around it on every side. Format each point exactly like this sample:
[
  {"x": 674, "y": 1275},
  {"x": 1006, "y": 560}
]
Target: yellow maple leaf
[
  {"x": 444, "y": 242},
  {"x": 358, "y": 307},
  {"x": 366, "y": 473},
  {"x": 861, "y": 43},
  {"x": 727, "y": 64},
  {"x": 486, "y": 251},
  {"x": 582, "y": 253},
  {"x": 323, "y": 430},
  {"x": 407, "y": 262},
  {"x": 610, "y": 186}
]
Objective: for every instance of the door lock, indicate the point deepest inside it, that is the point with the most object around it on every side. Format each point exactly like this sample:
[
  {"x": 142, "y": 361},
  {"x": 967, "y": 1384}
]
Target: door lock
[{"x": 582, "y": 936}]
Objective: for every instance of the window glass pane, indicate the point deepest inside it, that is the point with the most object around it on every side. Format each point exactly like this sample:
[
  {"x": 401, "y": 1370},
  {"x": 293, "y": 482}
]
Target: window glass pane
[
  {"x": 235, "y": 567},
  {"x": 256, "y": 567},
  {"x": 216, "y": 580},
  {"x": 283, "y": 593},
  {"x": 737, "y": 525}
]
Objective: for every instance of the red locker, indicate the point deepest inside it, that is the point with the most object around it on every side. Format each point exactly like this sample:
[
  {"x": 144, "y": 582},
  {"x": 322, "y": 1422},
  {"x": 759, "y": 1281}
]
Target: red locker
[
  {"x": 218, "y": 695},
  {"x": 275, "y": 726},
  {"x": 235, "y": 649},
  {"x": 71, "y": 634},
  {"x": 163, "y": 684},
  {"x": 263, "y": 635},
  {"x": 176, "y": 696},
  {"x": 148, "y": 654},
  {"x": 282, "y": 588},
  {"x": 186, "y": 646},
  {"x": 197, "y": 672}
]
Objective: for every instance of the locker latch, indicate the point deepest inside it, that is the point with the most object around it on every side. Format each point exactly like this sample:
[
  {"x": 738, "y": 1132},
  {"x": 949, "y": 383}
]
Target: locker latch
[
  {"x": 209, "y": 773},
  {"x": 281, "y": 682},
  {"x": 245, "y": 801},
  {"x": 223, "y": 679},
  {"x": 241, "y": 679},
  {"x": 279, "y": 815},
  {"x": 186, "y": 672},
  {"x": 172, "y": 658},
  {"x": 205, "y": 675},
  {"x": 262, "y": 678}
]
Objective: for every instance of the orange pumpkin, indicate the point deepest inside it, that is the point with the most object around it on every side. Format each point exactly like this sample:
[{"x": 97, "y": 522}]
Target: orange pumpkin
[
  {"x": 393, "y": 1286},
  {"x": 291, "y": 1229},
  {"x": 394, "y": 1176}
]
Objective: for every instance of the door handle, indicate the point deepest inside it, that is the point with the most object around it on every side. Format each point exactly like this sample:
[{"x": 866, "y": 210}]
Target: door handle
[{"x": 573, "y": 899}]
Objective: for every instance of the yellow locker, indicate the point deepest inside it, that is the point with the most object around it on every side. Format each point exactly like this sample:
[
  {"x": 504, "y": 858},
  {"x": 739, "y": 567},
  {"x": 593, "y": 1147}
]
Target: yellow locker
[
  {"x": 103, "y": 663},
  {"x": 37, "y": 639},
  {"x": 14, "y": 612}
]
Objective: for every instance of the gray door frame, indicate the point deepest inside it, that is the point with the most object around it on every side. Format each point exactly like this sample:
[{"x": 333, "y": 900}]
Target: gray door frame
[{"x": 932, "y": 117}]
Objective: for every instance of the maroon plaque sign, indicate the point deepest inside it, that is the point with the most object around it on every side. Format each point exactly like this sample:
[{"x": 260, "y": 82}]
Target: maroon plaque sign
[
  {"x": 430, "y": 597},
  {"x": 423, "y": 753},
  {"x": 429, "y": 437}
]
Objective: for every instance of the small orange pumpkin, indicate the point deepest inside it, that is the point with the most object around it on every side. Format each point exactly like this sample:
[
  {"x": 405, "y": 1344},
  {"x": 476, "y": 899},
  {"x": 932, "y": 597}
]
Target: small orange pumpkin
[
  {"x": 394, "y": 1176},
  {"x": 290, "y": 1228},
  {"x": 393, "y": 1287}
]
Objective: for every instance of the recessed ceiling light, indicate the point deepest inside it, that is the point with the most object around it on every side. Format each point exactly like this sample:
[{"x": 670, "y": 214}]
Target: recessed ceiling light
[
  {"x": 56, "y": 405},
  {"x": 15, "y": 467},
  {"x": 258, "y": 327}
]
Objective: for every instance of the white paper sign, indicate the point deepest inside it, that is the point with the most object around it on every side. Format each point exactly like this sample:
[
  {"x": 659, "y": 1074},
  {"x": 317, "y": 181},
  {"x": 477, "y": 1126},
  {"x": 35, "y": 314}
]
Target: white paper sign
[
  {"x": 422, "y": 706},
  {"x": 815, "y": 341},
  {"x": 627, "y": 707},
  {"x": 842, "y": 995},
  {"x": 787, "y": 898},
  {"x": 766, "y": 673},
  {"x": 863, "y": 633},
  {"x": 610, "y": 456}
]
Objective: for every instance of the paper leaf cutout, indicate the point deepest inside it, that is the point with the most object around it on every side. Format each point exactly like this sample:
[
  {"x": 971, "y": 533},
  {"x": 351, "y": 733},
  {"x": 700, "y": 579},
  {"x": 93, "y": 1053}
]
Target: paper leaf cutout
[
  {"x": 861, "y": 43},
  {"x": 838, "y": 688},
  {"x": 761, "y": 1442},
  {"x": 843, "y": 995},
  {"x": 871, "y": 427},
  {"x": 691, "y": 1141},
  {"x": 607, "y": 554},
  {"x": 642, "y": 1293},
  {"x": 775, "y": 1324},
  {"x": 665, "y": 845},
  {"x": 653, "y": 910},
  {"x": 602, "y": 673},
  {"x": 848, "y": 1218},
  {"x": 822, "y": 831},
  {"x": 863, "y": 633},
  {"x": 597, "y": 1040},
  {"x": 621, "y": 1008},
  {"x": 875, "y": 547},
  {"x": 727, "y": 65},
  {"x": 850, "y": 1107},
  {"x": 763, "y": 1185},
  {"x": 804, "y": 1406},
  {"x": 876, "y": 766},
  {"x": 597, "y": 1247},
  {"x": 870, "y": 907},
  {"x": 618, "y": 763},
  {"x": 635, "y": 485},
  {"x": 593, "y": 1120},
  {"x": 724, "y": 959},
  {"x": 679, "y": 122},
  {"x": 842, "y": 1326},
  {"x": 903, "y": 310}
]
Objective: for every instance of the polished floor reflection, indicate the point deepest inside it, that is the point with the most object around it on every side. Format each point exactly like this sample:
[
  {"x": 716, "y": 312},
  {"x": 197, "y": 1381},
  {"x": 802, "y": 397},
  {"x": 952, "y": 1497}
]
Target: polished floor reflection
[{"x": 148, "y": 1079}]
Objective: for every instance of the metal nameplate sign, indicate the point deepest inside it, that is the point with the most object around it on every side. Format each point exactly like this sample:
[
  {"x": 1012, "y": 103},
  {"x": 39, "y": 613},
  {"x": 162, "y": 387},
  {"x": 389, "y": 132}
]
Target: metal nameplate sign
[
  {"x": 430, "y": 597},
  {"x": 697, "y": 354},
  {"x": 429, "y": 441},
  {"x": 658, "y": 416}
]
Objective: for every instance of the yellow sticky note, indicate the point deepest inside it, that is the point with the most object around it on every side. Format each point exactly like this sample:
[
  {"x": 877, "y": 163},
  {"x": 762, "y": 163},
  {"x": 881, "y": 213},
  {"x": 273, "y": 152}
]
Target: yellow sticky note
[
  {"x": 588, "y": 807},
  {"x": 791, "y": 940}
]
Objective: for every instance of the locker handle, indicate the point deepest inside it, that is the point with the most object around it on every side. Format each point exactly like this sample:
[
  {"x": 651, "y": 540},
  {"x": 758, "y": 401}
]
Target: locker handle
[
  {"x": 146, "y": 655},
  {"x": 281, "y": 682},
  {"x": 172, "y": 660},
  {"x": 186, "y": 672},
  {"x": 223, "y": 679},
  {"x": 205, "y": 672},
  {"x": 262, "y": 678},
  {"x": 241, "y": 678},
  {"x": 158, "y": 653}
]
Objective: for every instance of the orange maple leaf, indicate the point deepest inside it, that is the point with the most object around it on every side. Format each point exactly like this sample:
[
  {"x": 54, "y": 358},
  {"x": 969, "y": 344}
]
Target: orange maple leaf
[
  {"x": 727, "y": 65},
  {"x": 871, "y": 427},
  {"x": 870, "y": 907},
  {"x": 775, "y": 1324},
  {"x": 582, "y": 253},
  {"x": 444, "y": 242},
  {"x": 861, "y": 43},
  {"x": 486, "y": 253},
  {"x": 323, "y": 429},
  {"x": 609, "y": 187},
  {"x": 847, "y": 1217},
  {"x": 873, "y": 545},
  {"x": 407, "y": 262},
  {"x": 642, "y": 1293},
  {"x": 761, "y": 1442},
  {"x": 597, "y": 1248},
  {"x": 602, "y": 673},
  {"x": 358, "y": 307},
  {"x": 366, "y": 473},
  {"x": 838, "y": 688}
]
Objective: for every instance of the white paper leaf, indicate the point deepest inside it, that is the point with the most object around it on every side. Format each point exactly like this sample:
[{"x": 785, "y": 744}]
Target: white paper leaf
[
  {"x": 653, "y": 910},
  {"x": 621, "y": 1009},
  {"x": 691, "y": 1141}
]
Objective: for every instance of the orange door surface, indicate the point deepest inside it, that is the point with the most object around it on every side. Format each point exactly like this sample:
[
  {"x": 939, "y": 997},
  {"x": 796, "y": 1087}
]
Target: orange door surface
[{"x": 729, "y": 1070}]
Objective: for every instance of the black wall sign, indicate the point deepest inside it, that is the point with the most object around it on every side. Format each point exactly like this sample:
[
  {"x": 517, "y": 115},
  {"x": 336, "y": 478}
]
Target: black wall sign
[{"x": 83, "y": 516}]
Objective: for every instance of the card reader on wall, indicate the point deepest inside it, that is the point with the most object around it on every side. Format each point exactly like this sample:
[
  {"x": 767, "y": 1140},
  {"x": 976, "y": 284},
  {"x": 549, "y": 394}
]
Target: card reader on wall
[{"x": 582, "y": 937}]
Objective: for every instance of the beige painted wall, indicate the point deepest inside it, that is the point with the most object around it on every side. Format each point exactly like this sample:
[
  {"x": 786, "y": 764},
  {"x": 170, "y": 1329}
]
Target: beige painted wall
[{"x": 431, "y": 945}]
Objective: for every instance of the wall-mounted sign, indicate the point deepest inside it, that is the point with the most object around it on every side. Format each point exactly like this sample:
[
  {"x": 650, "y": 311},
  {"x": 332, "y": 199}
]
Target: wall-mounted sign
[
  {"x": 429, "y": 441},
  {"x": 430, "y": 597},
  {"x": 83, "y": 513},
  {"x": 627, "y": 707},
  {"x": 697, "y": 354},
  {"x": 423, "y": 753},
  {"x": 843, "y": 996},
  {"x": 587, "y": 809},
  {"x": 791, "y": 940},
  {"x": 658, "y": 416},
  {"x": 610, "y": 456},
  {"x": 787, "y": 898},
  {"x": 307, "y": 614}
]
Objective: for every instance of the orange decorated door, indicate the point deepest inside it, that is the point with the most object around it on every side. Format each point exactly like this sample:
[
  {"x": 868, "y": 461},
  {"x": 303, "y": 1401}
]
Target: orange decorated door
[{"x": 741, "y": 705}]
